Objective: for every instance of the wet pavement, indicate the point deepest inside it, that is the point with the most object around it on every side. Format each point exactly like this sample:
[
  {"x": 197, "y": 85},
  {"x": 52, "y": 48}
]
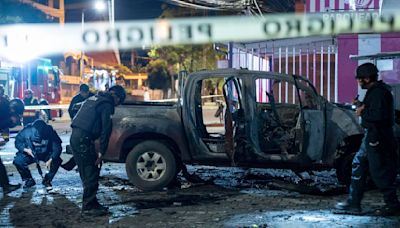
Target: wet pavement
[{"x": 231, "y": 197}]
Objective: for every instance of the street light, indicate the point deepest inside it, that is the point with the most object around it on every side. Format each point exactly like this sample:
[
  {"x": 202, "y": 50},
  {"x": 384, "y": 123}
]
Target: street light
[{"x": 99, "y": 6}]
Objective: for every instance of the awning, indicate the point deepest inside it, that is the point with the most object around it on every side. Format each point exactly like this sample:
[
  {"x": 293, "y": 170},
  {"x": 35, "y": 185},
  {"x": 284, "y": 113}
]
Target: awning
[{"x": 108, "y": 58}]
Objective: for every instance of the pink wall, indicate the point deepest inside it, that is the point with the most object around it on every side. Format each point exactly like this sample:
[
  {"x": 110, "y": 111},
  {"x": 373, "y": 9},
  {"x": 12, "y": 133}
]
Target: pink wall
[
  {"x": 390, "y": 42},
  {"x": 347, "y": 85}
]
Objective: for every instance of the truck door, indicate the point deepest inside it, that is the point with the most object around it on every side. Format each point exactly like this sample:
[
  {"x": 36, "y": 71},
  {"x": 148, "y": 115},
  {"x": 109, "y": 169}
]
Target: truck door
[
  {"x": 233, "y": 115},
  {"x": 312, "y": 120}
]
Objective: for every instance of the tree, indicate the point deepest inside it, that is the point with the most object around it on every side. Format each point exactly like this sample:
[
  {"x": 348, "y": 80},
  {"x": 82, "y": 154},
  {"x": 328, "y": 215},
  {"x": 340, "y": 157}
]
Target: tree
[
  {"x": 12, "y": 11},
  {"x": 158, "y": 77},
  {"x": 122, "y": 70},
  {"x": 187, "y": 57}
]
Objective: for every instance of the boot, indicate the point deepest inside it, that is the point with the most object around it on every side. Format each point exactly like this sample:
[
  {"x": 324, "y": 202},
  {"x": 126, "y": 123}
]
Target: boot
[
  {"x": 10, "y": 187},
  {"x": 95, "y": 210},
  {"x": 47, "y": 183},
  {"x": 29, "y": 183},
  {"x": 347, "y": 208}
]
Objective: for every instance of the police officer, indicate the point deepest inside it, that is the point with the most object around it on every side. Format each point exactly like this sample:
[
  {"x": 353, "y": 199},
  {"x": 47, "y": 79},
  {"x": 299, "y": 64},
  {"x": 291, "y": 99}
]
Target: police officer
[
  {"x": 29, "y": 100},
  {"x": 93, "y": 121},
  {"x": 10, "y": 115},
  {"x": 2, "y": 92},
  {"x": 83, "y": 94},
  {"x": 73, "y": 108},
  {"x": 37, "y": 142},
  {"x": 377, "y": 151}
]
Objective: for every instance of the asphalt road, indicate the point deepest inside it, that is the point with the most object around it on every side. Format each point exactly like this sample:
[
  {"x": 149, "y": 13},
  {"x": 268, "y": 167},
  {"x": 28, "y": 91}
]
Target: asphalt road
[{"x": 230, "y": 197}]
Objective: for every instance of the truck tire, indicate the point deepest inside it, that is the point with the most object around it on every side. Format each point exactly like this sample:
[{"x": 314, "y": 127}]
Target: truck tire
[{"x": 151, "y": 165}]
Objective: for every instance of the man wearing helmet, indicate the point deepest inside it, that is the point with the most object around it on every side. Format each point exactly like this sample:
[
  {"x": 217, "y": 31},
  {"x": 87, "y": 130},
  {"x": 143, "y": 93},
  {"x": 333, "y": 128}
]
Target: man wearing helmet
[
  {"x": 93, "y": 121},
  {"x": 10, "y": 115},
  {"x": 377, "y": 150}
]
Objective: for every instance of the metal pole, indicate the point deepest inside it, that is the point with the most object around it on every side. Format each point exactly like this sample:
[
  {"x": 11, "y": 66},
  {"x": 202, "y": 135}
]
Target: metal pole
[
  {"x": 239, "y": 53},
  {"x": 308, "y": 64},
  {"x": 259, "y": 58},
  {"x": 322, "y": 72},
  {"x": 230, "y": 55},
  {"x": 294, "y": 72},
  {"x": 287, "y": 72},
  {"x": 329, "y": 74},
  {"x": 252, "y": 59},
  {"x": 300, "y": 64},
  {"x": 314, "y": 66},
  {"x": 280, "y": 71},
  {"x": 336, "y": 74},
  {"x": 81, "y": 66}
]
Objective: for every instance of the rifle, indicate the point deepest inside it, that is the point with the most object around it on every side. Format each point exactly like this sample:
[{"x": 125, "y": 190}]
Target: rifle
[{"x": 32, "y": 147}]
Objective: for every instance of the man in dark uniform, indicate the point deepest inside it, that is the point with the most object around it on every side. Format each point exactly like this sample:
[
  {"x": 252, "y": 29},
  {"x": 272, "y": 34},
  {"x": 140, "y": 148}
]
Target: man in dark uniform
[
  {"x": 10, "y": 115},
  {"x": 73, "y": 108},
  {"x": 83, "y": 94},
  {"x": 37, "y": 142},
  {"x": 93, "y": 121},
  {"x": 377, "y": 151},
  {"x": 29, "y": 100}
]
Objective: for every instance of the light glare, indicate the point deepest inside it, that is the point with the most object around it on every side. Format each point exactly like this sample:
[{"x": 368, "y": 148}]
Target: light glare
[{"x": 100, "y": 6}]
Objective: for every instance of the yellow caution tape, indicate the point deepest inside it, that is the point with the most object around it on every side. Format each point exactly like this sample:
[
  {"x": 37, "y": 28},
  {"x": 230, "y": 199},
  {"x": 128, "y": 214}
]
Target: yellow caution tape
[{"x": 41, "y": 39}]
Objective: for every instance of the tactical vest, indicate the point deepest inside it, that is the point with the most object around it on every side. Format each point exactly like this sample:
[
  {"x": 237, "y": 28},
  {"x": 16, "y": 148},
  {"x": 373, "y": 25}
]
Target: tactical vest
[{"x": 88, "y": 117}]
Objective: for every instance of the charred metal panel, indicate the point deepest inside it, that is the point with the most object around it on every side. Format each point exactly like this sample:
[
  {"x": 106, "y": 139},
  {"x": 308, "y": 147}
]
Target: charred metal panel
[
  {"x": 135, "y": 120},
  {"x": 341, "y": 123},
  {"x": 315, "y": 133}
]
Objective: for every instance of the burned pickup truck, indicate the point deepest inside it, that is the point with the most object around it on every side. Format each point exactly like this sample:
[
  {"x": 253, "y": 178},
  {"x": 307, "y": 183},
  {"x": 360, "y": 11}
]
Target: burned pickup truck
[{"x": 270, "y": 120}]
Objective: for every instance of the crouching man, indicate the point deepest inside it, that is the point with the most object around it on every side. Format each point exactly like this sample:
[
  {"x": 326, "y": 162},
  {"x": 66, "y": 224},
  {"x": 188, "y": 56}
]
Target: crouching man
[{"x": 37, "y": 142}]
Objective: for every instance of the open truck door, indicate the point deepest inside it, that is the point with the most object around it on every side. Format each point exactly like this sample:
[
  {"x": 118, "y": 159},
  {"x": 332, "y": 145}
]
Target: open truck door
[
  {"x": 312, "y": 121},
  {"x": 234, "y": 115}
]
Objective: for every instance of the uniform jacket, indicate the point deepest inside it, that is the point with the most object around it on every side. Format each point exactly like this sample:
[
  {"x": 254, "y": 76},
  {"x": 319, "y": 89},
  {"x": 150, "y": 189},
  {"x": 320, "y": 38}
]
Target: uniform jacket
[
  {"x": 51, "y": 142},
  {"x": 31, "y": 101},
  {"x": 378, "y": 114},
  {"x": 5, "y": 121},
  {"x": 76, "y": 99},
  {"x": 94, "y": 117}
]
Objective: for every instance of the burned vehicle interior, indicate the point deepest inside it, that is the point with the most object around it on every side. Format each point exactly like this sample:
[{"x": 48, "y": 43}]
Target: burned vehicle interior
[{"x": 280, "y": 119}]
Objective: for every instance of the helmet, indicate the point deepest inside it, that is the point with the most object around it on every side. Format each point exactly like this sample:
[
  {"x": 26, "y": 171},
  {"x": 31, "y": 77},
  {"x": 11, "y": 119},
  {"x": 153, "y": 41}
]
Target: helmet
[
  {"x": 17, "y": 106},
  {"x": 367, "y": 70},
  {"x": 84, "y": 88},
  {"x": 43, "y": 129},
  {"x": 119, "y": 91},
  {"x": 28, "y": 91}
]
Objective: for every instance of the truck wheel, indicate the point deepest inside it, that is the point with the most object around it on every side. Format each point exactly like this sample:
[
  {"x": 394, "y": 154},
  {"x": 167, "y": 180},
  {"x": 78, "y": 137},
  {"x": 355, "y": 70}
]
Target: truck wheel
[
  {"x": 343, "y": 168},
  {"x": 151, "y": 165}
]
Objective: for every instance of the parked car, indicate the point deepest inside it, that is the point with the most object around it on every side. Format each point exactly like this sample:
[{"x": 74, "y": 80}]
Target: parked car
[{"x": 282, "y": 124}]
